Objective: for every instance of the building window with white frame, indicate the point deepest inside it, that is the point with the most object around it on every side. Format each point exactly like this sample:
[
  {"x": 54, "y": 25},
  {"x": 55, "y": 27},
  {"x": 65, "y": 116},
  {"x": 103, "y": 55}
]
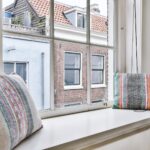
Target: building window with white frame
[
  {"x": 72, "y": 69},
  {"x": 81, "y": 20},
  {"x": 19, "y": 68},
  {"x": 97, "y": 69}
]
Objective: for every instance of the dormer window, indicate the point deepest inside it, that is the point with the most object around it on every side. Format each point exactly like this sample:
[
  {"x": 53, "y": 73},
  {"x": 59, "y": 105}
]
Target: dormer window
[{"x": 81, "y": 20}]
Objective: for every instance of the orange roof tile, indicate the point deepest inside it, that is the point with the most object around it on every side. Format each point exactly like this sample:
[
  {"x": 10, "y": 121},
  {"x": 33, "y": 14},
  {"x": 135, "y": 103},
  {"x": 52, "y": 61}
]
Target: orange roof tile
[
  {"x": 41, "y": 7},
  {"x": 98, "y": 23}
]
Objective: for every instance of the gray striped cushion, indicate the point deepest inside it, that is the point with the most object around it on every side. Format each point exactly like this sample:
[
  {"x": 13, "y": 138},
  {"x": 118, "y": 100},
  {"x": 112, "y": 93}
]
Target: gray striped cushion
[{"x": 18, "y": 115}]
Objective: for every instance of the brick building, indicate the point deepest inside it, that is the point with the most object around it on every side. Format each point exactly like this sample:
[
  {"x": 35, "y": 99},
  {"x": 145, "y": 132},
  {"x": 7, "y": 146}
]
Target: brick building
[{"x": 70, "y": 57}]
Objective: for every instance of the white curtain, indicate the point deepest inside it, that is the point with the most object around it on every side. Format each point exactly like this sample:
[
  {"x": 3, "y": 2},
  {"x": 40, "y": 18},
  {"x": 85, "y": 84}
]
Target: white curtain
[{"x": 126, "y": 56}]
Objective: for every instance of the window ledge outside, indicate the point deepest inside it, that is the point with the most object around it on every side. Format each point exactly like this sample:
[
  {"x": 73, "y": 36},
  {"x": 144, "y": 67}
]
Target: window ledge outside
[
  {"x": 96, "y": 127},
  {"x": 73, "y": 87},
  {"x": 94, "y": 86}
]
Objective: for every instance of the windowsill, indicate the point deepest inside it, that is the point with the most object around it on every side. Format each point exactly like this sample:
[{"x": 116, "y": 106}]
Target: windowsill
[
  {"x": 73, "y": 87},
  {"x": 96, "y": 127},
  {"x": 94, "y": 86}
]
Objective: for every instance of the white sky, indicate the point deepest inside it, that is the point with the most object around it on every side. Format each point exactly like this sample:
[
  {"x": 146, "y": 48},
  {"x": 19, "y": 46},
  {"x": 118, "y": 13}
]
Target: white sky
[{"x": 80, "y": 3}]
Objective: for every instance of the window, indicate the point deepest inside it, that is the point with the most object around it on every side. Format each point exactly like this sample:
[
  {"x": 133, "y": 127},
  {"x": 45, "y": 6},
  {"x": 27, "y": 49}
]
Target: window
[
  {"x": 97, "y": 69},
  {"x": 81, "y": 20},
  {"x": 72, "y": 68},
  {"x": 70, "y": 20},
  {"x": 65, "y": 50},
  {"x": 28, "y": 43},
  {"x": 19, "y": 68}
]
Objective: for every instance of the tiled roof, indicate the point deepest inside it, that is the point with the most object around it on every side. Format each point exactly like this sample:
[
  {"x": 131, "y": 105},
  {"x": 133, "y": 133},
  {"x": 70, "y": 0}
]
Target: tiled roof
[
  {"x": 98, "y": 23},
  {"x": 41, "y": 7}
]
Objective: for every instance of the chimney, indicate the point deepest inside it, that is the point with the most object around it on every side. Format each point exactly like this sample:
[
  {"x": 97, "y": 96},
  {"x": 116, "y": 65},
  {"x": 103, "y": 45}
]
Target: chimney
[{"x": 95, "y": 8}]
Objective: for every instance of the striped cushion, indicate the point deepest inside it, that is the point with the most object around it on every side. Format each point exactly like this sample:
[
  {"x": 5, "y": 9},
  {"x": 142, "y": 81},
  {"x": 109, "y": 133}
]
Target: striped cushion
[
  {"x": 18, "y": 115},
  {"x": 132, "y": 91}
]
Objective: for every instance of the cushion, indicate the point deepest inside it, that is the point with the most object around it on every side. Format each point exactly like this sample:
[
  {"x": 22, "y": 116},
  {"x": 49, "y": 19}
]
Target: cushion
[
  {"x": 132, "y": 91},
  {"x": 18, "y": 115}
]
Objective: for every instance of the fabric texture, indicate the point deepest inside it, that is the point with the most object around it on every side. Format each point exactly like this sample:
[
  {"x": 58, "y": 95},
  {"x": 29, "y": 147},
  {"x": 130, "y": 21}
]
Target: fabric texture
[
  {"x": 18, "y": 115},
  {"x": 132, "y": 91}
]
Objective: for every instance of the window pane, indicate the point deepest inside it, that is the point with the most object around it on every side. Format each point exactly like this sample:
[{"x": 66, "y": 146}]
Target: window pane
[
  {"x": 70, "y": 74},
  {"x": 97, "y": 77},
  {"x": 25, "y": 30},
  {"x": 97, "y": 62},
  {"x": 99, "y": 22},
  {"x": 99, "y": 74},
  {"x": 72, "y": 77},
  {"x": 72, "y": 60},
  {"x": 21, "y": 70},
  {"x": 70, "y": 20},
  {"x": 81, "y": 20},
  {"x": 8, "y": 68}
]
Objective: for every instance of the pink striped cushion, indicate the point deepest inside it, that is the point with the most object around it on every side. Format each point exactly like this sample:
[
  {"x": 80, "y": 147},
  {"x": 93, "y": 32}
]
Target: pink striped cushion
[{"x": 18, "y": 115}]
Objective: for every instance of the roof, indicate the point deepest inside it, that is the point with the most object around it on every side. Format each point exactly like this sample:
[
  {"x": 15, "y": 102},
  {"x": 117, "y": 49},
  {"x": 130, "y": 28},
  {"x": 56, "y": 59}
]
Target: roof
[{"x": 41, "y": 7}]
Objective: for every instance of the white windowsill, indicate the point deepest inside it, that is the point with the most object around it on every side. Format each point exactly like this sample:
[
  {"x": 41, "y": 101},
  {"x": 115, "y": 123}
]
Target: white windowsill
[
  {"x": 98, "y": 86},
  {"x": 85, "y": 129},
  {"x": 73, "y": 87}
]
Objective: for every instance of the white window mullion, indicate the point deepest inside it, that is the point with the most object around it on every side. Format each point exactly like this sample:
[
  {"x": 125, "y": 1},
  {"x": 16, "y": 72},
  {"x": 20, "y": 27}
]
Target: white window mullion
[
  {"x": 88, "y": 53},
  {"x": 1, "y": 40},
  {"x": 52, "y": 55},
  {"x": 15, "y": 68}
]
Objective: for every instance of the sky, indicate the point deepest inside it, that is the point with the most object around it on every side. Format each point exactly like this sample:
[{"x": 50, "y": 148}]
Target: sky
[{"x": 80, "y": 3}]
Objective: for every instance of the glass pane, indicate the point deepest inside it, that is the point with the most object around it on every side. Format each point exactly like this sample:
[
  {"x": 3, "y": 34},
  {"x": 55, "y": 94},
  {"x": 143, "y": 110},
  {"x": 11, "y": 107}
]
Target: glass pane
[
  {"x": 97, "y": 62},
  {"x": 70, "y": 84},
  {"x": 21, "y": 70},
  {"x": 72, "y": 60},
  {"x": 72, "y": 77},
  {"x": 99, "y": 21},
  {"x": 8, "y": 68},
  {"x": 81, "y": 22},
  {"x": 97, "y": 77},
  {"x": 70, "y": 19},
  {"x": 26, "y": 44}
]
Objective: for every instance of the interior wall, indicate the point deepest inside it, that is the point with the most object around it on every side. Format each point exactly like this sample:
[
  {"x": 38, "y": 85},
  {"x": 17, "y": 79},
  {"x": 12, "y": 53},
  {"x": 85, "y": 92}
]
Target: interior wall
[{"x": 146, "y": 37}]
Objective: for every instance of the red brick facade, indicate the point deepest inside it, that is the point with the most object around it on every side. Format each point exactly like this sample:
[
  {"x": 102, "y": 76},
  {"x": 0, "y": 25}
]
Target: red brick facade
[{"x": 62, "y": 96}]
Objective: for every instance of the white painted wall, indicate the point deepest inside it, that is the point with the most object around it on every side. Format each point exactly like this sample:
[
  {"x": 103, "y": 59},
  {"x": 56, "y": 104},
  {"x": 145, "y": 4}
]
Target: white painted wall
[
  {"x": 30, "y": 51},
  {"x": 146, "y": 36}
]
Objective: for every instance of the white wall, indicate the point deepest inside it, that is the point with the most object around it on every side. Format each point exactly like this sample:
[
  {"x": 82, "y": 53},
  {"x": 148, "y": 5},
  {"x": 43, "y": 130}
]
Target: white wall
[
  {"x": 30, "y": 51},
  {"x": 146, "y": 37}
]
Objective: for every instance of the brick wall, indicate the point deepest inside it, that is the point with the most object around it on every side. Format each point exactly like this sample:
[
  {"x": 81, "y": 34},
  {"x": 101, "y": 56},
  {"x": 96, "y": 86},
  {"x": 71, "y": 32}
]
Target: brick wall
[{"x": 78, "y": 95}]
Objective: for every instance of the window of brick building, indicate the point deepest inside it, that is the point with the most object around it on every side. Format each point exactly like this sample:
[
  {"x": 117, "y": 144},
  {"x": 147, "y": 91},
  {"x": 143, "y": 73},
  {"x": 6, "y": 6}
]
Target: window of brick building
[
  {"x": 97, "y": 69},
  {"x": 72, "y": 69}
]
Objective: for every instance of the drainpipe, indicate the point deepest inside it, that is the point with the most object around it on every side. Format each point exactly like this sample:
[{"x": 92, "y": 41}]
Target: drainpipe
[{"x": 42, "y": 78}]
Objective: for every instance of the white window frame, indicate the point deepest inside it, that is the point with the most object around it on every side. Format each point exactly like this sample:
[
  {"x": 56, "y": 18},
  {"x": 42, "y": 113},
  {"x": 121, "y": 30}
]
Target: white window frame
[
  {"x": 89, "y": 106},
  {"x": 84, "y": 20},
  {"x": 14, "y": 69},
  {"x": 74, "y": 87},
  {"x": 104, "y": 75}
]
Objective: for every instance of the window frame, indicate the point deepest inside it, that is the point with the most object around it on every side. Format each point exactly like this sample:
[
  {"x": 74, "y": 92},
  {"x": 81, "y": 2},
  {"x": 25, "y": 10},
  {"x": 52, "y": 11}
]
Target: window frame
[
  {"x": 103, "y": 70},
  {"x": 78, "y": 86},
  {"x": 83, "y": 19},
  {"x": 15, "y": 67},
  {"x": 52, "y": 111}
]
